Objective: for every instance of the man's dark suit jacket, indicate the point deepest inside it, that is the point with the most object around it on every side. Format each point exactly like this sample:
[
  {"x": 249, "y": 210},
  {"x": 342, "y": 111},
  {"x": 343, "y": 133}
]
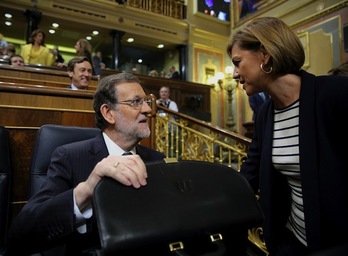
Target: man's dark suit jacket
[
  {"x": 323, "y": 164},
  {"x": 256, "y": 101},
  {"x": 51, "y": 211},
  {"x": 175, "y": 75}
]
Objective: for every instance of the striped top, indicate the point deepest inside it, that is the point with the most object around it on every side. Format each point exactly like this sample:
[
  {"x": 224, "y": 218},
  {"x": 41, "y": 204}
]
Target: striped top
[{"x": 286, "y": 159}]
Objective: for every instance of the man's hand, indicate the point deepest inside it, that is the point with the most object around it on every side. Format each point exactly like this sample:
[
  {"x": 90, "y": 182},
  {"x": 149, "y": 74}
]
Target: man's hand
[{"x": 128, "y": 170}]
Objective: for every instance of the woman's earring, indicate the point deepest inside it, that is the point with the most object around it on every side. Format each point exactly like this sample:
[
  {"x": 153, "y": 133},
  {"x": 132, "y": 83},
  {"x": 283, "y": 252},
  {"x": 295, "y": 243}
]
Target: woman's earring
[{"x": 267, "y": 72}]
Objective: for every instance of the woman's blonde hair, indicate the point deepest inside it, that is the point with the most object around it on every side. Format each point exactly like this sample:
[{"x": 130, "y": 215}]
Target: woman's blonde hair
[{"x": 275, "y": 37}]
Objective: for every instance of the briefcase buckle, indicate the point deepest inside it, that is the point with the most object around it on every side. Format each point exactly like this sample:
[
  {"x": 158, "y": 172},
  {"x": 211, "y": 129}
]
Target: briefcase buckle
[
  {"x": 176, "y": 246},
  {"x": 216, "y": 237}
]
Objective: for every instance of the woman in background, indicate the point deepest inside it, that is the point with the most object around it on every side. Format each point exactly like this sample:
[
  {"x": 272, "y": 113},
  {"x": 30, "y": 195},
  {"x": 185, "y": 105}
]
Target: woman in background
[
  {"x": 84, "y": 49},
  {"x": 35, "y": 52}
]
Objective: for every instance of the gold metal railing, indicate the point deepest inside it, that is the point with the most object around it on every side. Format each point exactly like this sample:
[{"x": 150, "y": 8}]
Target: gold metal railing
[
  {"x": 187, "y": 138},
  {"x": 171, "y": 8},
  {"x": 184, "y": 137}
]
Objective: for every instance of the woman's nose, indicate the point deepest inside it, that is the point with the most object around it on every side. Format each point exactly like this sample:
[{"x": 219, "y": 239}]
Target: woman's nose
[{"x": 235, "y": 74}]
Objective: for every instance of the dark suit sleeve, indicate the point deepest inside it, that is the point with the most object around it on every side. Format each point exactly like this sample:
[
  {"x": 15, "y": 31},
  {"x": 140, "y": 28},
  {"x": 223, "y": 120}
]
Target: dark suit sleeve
[
  {"x": 175, "y": 75},
  {"x": 48, "y": 217}
]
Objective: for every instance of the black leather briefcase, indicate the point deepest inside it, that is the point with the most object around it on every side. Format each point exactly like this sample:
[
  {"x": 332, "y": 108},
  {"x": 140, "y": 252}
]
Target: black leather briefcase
[{"x": 187, "y": 208}]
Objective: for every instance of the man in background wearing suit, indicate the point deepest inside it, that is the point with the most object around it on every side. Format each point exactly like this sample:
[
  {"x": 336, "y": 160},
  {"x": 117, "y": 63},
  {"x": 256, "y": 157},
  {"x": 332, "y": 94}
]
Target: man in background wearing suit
[
  {"x": 80, "y": 73},
  {"x": 61, "y": 214},
  {"x": 173, "y": 74}
]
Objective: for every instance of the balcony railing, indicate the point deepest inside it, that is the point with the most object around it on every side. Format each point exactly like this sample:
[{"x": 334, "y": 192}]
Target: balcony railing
[
  {"x": 171, "y": 8},
  {"x": 185, "y": 137}
]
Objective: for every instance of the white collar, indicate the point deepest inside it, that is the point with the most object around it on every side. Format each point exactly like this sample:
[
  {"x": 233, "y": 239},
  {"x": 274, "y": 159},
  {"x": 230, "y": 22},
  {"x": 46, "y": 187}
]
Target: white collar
[{"x": 113, "y": 148}]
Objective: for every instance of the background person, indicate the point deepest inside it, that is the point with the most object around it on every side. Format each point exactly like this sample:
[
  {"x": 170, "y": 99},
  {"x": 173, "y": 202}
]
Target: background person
[
  {"x": 84, "y": 48},
  {"x": 97, "y": 61},
  {"x": 80, "y": 73},
  {"x": 59, "y": 58},
  {"x": 3, "y": 42},
  {"x": 173, "y": 74},
  {"x": 35, "y": 52},
  {"x": 61, "y": 213},
  {"x": 16, "y": 60},
  {"x": 256, "y": 101},
  {"x": 164, "y": 99},
  {"x": 295, "y": 162},
  {"x": 8, "y": 51},
  {"x": 153, "y": 73},
  {"x": 340, "y": 70}
]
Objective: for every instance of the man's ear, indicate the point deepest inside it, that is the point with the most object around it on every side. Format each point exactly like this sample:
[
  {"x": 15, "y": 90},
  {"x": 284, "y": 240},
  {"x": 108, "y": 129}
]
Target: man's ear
[
  {"x": 70, "y": 74},
  {"x": 108, "y": 114}
]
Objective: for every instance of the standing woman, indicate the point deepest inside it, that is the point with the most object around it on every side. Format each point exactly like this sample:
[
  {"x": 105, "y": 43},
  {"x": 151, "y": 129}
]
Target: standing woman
[
  {"x": 84, "y": 49},
  {"x": 295, "y": 161},
  {"x": 35, "y": 52}
]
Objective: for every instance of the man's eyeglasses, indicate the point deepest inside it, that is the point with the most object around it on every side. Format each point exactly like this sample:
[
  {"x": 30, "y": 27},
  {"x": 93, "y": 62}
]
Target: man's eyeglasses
[{"x": 136, "y": 103}]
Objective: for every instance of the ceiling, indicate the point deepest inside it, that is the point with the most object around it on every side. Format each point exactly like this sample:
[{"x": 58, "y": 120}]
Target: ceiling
[{"x": 69, "y": 32}]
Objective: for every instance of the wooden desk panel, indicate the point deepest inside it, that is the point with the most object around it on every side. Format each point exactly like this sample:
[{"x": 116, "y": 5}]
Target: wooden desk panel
[
  {"x": 23, "y": 110},
  {"x": 39, "y": 73}
]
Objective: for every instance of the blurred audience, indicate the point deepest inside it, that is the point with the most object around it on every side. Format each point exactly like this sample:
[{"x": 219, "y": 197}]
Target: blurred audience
[
  {"x": 84, "y": 48},
  {"x": 80, "y": 73},
  {"x": 97, "y": 60},
  {"x": 164, "y": 99},
  {"x": 3, "y": 42},
  {"x": 59, "y": 59},
  {"x": 10, "y": 50},
  {"x": 173, "y": 74},
  {"x": 340, "y": 70},
  {"x": 163, "y": 73},
  {"x": 16, "y": 60},
  {"x": 7, "y": 52},
  {"x": 153, "y": 73},
  {"x": 35, "y": 52}
]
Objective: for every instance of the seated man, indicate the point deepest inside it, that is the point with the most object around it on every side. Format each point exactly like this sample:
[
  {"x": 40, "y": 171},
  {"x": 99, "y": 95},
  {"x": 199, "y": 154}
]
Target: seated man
[
  {"x": 16, "y": 60},
  {"x": 61, "y": 214},
  {"x": 80, "y": 72}
]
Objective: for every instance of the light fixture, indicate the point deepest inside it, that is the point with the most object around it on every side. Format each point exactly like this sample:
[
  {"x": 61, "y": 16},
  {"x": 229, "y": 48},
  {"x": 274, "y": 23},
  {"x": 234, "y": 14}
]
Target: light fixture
[
  {"x": 212, "y": 80},
  {"x": 8, "y": 23},
  {"x": 8, "y": 15},
  {"x": 95, "y": 32},
  {"x": 88, "y": 37},
  {"x": 130, "y": 40},
  {"x": 160, "y": 46},
  {"x": 229, "y": 70},
  {"x": 55, "y": 25},
  {"x": 51, "y": 31},
  {"x": 220, "y": 75},
  {"x": 140, "y": 60}
]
